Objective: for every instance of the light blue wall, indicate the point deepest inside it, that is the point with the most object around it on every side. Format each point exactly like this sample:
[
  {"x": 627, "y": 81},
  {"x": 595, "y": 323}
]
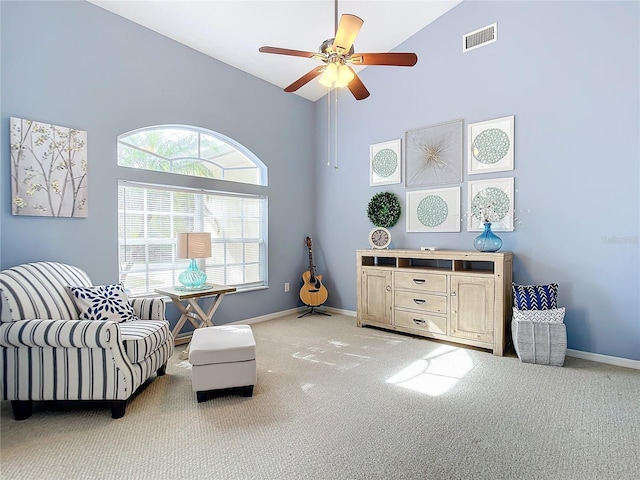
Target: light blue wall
[
  {"x": 569, "y": 73},
  {"x": 77, "y": 65},
  {"x": 573, "y": 91}
]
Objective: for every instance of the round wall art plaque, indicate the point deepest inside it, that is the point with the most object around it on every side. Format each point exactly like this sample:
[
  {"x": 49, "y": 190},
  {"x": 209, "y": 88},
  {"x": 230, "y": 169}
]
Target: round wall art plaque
[
  {"x": 432, "y": 211},
  {"x": 490, "y": 205},
  {"x": 491, "y": 146},
  {"x": 385, "y": 162}
]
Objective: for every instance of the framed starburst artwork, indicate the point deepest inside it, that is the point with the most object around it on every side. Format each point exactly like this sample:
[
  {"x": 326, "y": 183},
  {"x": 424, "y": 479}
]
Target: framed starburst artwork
[
  {"x": 433, "y": 155},
  {"x": 385, "y": 163}
]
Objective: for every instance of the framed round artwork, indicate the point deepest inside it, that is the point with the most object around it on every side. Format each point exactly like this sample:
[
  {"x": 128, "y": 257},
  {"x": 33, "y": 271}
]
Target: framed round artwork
[
  {"x": 385, "y": 163},
  {"x": 435, "y": 210},
  {"x": 491, "y": 201},
  {"x": 490, "y": 146}
]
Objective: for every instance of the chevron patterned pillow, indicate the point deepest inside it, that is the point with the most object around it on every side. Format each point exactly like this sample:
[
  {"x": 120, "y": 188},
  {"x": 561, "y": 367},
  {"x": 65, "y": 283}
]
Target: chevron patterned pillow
[
  {"x": 103, "y": 302},
  {"x": 535, "y": 297},
  {"x": 553, "y": 315}
]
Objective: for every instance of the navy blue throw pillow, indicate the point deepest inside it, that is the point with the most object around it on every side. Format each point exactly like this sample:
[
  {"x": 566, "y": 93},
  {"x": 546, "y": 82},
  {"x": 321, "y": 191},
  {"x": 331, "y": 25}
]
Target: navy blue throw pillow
[{"x": 535, "y": 297}]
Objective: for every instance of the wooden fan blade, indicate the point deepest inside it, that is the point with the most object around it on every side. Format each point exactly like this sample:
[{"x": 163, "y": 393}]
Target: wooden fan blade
[
  {"x": 286, "y": 51},
  {"x": 306, "y": 78},
  {"x": 357, "y": 88},
  {"x": 392, "y": 59},
  {"x": 348, "y": 29}
]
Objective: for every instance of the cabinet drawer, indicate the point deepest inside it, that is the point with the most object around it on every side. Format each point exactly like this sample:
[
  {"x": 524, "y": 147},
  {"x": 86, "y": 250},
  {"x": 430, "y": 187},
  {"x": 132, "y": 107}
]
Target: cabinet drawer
[
  {"x": 421, "y": 301},
  {"x": 419, "y": 321},
  {"x": 431, "y": 282}
]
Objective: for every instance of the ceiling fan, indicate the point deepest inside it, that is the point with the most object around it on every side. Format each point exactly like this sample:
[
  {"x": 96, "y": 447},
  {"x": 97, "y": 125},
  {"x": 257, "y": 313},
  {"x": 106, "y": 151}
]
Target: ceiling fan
[{"x": 338, "y": 53}]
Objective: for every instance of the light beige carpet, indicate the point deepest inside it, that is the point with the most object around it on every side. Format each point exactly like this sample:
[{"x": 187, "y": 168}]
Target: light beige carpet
[{"x": 334, "y": 401}]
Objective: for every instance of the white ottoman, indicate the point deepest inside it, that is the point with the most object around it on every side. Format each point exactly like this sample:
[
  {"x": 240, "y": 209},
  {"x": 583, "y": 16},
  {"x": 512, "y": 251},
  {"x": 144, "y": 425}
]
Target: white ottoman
[{"x": 222, "y": 357}]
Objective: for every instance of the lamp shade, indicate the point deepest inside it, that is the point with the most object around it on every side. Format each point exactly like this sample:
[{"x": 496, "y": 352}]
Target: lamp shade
[{"x": 194, "y": 245}]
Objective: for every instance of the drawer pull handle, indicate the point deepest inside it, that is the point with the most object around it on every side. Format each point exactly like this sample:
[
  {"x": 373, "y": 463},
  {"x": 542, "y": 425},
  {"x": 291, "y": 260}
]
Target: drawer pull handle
[
  {"x": 418, "y": 321},
  {"x": 453, "y": 294},
  {"x": 419, "y": 281},
  {"x": 388, "y": 288},
  {"x": 419, "y": 301}
]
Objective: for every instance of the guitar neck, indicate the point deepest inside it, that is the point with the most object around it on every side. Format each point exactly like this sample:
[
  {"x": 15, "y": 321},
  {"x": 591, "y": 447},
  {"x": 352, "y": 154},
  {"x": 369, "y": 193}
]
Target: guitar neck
[{"x": 312, "y": 277}]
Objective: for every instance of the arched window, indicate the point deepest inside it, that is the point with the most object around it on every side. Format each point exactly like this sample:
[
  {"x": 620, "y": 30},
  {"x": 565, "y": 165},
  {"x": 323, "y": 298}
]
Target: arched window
[
  {"x": 151, "y": 215},
  {"x": 190, "y": 151}
]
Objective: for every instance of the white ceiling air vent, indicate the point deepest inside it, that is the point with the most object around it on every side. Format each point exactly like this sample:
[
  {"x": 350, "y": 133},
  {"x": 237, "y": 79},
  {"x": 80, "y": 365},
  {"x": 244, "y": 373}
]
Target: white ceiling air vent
[{"x": 480, "y": 38}]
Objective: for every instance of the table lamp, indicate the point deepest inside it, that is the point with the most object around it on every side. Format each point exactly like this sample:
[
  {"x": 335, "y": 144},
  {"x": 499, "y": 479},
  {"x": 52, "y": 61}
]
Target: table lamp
[{"x": 193, "y": 245}]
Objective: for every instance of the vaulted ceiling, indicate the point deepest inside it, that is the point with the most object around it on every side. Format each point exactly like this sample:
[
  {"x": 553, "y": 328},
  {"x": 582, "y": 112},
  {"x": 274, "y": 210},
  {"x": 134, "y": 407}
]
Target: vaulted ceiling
[{"x": 232, "y": 30}]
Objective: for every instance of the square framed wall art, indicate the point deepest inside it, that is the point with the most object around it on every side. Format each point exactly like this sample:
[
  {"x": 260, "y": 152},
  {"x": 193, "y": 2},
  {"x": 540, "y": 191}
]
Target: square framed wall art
[
  {"x": 48, "y": 169},
  {"x": 435, "y": 210},
  {"x": 433, "y": 155},
  {"x": 493, "y": 201},
  {"x": 490, "y": 146},
  {"x": 385, "y": 163}
]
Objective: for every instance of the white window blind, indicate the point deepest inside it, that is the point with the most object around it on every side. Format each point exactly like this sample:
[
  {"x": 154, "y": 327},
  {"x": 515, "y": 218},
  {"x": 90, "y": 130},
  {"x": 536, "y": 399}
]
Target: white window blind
[{"x": 150, "y": 216}]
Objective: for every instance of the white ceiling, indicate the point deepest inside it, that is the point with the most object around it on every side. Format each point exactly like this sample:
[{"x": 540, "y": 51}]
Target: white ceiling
[{"x": 233, "y": 30}]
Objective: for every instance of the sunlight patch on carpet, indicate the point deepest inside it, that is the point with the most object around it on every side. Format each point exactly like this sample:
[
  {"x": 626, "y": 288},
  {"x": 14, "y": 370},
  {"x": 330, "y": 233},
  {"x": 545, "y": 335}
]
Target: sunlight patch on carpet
[
  {"x": 331, "y": 357},
  {"x": 435, "y": 373},
  {"x": 184, "y": 364}
]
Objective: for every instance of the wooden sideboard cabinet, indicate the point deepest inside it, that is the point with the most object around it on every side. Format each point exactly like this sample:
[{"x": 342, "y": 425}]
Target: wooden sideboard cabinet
[{"x": 462, "y": 297}]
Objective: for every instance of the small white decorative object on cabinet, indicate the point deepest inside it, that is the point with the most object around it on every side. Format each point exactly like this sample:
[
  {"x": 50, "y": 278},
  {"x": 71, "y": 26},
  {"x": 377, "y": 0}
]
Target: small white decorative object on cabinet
[{"x": 462, "y": 297}]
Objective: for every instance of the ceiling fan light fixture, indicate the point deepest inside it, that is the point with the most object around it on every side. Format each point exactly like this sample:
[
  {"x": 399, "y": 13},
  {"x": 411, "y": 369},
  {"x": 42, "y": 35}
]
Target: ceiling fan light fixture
[
  {"x": 336, "y": 76},
  {"x": 345, "y": 75},
  {"x": 329, "y": 75}
]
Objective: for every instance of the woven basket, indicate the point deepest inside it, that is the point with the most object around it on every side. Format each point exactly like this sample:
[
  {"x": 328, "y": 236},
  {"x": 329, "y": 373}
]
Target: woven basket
[{"x": 540, "y": 342}]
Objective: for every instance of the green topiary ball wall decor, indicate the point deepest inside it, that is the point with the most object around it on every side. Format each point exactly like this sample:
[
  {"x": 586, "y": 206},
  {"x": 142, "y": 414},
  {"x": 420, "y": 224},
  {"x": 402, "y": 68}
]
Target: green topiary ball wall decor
[{"x": 384, "y": 209}]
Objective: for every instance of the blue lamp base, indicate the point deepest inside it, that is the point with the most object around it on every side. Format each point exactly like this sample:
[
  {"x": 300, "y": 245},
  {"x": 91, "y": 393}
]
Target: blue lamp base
[{"x": 193, "y": 277}]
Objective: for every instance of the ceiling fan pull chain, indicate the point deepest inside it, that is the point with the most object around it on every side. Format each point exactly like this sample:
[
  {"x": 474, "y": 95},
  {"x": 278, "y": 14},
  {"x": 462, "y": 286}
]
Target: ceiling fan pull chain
[
  {"x": 335, "y": 130},
  {"x": 328, "y": 127}
]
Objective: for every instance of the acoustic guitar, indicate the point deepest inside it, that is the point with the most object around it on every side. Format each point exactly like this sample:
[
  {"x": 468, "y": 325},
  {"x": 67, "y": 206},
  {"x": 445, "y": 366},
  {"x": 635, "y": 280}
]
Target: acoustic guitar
[{"x": 313, "y": 293}]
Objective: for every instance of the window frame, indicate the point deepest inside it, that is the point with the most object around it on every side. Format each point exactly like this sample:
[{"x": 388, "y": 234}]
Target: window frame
[
  {"x": 259, "y": 165},
  {"x": 178, "y": 182}
]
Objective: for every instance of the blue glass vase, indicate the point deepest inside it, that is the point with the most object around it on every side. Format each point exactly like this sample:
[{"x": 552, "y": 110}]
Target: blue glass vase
[
  {"x": 192, "y": 277},
  {"x": 487, "y": 241}
]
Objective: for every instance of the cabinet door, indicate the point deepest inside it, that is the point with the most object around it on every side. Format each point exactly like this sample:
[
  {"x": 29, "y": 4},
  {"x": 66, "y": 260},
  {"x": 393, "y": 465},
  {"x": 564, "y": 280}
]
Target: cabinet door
[
  {"x": 472, "y": 308},
  {"x": 376, "y": 296}
]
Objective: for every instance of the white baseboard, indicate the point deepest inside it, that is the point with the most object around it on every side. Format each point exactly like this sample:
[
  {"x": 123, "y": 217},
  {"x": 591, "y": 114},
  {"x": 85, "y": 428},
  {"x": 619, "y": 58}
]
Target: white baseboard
[
  {"x": 596, "y": 357},
  {"x": 292, "y": 311},
  {"x": 270, "y": 316},
  {"x": 339, "y": 311}
]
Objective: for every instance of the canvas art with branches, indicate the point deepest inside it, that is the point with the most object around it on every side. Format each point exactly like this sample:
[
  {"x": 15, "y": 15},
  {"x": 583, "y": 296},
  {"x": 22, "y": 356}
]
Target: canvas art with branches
[{"x": 48, "y": 170}]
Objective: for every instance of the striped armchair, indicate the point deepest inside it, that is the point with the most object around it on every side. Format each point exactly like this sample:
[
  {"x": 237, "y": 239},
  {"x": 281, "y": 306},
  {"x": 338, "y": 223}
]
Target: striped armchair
[{"x": 48, "y": 353}]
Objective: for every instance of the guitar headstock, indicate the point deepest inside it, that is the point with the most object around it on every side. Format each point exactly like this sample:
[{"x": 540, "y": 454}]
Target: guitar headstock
[{"x": 308, "y": 242}]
